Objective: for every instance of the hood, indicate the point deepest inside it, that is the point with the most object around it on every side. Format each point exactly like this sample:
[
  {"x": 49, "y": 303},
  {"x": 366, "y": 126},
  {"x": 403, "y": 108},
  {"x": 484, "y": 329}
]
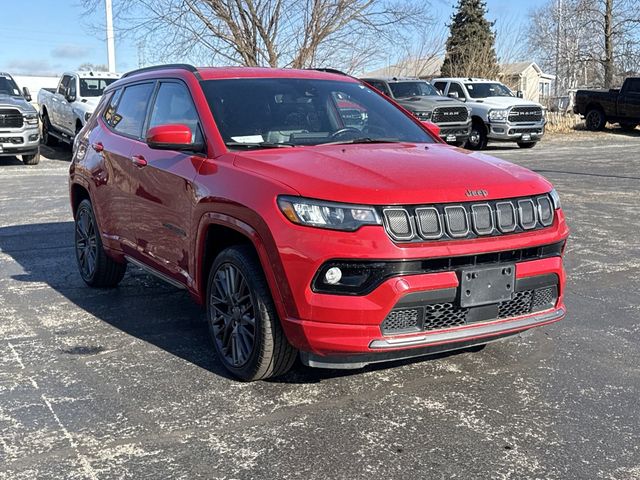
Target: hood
[
  {"x": 387, "y": 174},
  {"x": 16, "y": 102},
  {"x": 422, "y": 103},
  {"x": 504, "y": 102}
]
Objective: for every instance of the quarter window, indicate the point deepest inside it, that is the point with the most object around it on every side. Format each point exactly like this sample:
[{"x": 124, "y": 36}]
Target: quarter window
[
  {"x": 174, "y": 105},
  {"x": 132, "y": 110},
  {"x": 110, "y": 111}
]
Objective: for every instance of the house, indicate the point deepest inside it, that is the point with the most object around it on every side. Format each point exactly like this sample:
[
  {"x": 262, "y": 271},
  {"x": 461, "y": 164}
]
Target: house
[
  {"x": 425, "y": 68},
  {"x": 529, "y": 78}
]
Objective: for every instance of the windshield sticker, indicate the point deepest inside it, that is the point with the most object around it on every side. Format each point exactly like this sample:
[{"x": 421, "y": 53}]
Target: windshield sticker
[{"x": 248, "y": 139}]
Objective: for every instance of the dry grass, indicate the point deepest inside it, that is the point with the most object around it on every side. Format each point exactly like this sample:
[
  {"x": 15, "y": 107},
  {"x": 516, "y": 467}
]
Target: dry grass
[{"x": 563, "y": 122}]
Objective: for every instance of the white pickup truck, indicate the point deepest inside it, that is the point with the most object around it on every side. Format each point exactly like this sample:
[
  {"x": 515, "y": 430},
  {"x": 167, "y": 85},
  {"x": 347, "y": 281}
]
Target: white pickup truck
[
  {"x": 64, "y": 110},
  {"x": 497, "y": 114}
]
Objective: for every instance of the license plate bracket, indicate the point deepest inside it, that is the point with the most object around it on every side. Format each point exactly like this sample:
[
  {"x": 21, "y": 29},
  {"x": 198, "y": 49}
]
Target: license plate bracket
[
  {"x": 451, "y": 138},
  {"x": 526, "y": 136},
  {"x": 483, "y": 286}
]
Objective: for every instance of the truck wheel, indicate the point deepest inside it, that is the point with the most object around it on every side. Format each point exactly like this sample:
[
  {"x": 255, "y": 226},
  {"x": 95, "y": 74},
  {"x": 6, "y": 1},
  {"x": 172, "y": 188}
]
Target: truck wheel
[
  {"x": 477, "y": 137},
  {"x": 31, "y": 159},
  {"x": 242, "y": 318},
  {"x": 527, "y": 144},
  {"x": 628, "y": 127},
  {"x": 595, "y": 120},
  {"x": 97, "y": 269},
  {"x": 47, "y": 139}
]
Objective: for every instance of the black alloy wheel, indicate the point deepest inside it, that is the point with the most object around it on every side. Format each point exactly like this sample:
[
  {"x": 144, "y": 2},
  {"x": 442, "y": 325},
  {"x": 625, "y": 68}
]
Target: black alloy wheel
[{"x": 595, "y": 120}]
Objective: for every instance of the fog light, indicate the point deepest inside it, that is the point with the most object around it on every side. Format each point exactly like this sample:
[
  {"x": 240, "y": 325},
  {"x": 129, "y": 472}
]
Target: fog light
[
  {"x": 33, "y": 137},
  {"x": 333, "y": 276}
]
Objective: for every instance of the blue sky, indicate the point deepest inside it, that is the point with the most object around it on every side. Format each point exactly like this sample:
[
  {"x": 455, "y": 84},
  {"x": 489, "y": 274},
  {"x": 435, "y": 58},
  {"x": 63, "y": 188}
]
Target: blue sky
[{"x": 45, "y": 36}]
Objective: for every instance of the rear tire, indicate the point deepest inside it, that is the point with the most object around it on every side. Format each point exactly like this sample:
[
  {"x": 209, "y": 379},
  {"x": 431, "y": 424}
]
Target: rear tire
[
  {"x": 31, "y": 159},
  {"x": 242, "y": 318},
  {"x": 97, "y": 269},
  {"x": 595, "y": 120},
  {"x": 527, "y": 144},
  {"x": 477, "y": 137},
  {"x": 47, "y": 139}
]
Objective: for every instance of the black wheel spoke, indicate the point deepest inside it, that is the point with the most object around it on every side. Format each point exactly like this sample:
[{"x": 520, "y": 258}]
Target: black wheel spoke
[{"x": 232, "y": 315}]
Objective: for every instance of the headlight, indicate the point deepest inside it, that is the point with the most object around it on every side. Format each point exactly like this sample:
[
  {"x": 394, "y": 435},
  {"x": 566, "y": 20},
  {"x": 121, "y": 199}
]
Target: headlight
[
  {"x": 87, "y": 116},
  {"x": 31, "y": 119},
  {"x": 498, "y": 115},
  {"x": 555, "y": 198},
  {"x": 335, "y": 216},
  {"x": 424, "y": 115}
]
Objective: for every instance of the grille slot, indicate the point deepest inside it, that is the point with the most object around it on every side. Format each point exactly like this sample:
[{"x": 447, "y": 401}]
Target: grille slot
[
  {"x": 14, "y": 140},
  {"x": 429, "y": 222},
  {"x": 449, "y": 114},
  {"x": 525, "y": 114},
  {"x": 10, "y": 118},
  {"x": 545, "y": 211},
  {"x": 456, "y": 220},
  {"x": 527, "y": 213},
  {"x": 482, "y": 219},
  {"x": 437, "y": 316},
  {"x": 398, "y": 223}
]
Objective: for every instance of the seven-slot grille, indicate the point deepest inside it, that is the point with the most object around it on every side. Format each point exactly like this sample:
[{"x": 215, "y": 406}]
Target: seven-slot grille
[
  {"x": 442, "y": 315},
  {"x": 449, "y": 115},
  {"x": 525, "y": 114},
  {"x": 10, "y": 118},
  {"x": 468, "y": 220}
]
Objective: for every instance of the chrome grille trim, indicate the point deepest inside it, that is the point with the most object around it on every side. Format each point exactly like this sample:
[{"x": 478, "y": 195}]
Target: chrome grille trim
[{"x": 454, "y": 221}]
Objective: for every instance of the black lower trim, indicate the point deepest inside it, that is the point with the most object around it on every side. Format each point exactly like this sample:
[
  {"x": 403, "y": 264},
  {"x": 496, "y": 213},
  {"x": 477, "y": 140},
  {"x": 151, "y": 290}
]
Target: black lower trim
[{"x": 9, "y": 152}]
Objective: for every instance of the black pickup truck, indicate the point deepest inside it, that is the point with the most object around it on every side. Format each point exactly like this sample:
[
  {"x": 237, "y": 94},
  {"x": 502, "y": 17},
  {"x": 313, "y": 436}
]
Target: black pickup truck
[{"x": 616, "y": 106}]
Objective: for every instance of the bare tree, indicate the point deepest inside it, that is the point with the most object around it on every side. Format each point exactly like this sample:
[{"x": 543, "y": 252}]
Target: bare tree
[{"x": 291, "y": 33}]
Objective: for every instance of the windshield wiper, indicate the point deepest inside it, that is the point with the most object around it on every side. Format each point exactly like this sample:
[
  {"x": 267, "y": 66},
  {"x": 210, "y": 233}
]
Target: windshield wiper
[
  {"x": 259, "y": 145},
  {"x": 362, "y": 140}
]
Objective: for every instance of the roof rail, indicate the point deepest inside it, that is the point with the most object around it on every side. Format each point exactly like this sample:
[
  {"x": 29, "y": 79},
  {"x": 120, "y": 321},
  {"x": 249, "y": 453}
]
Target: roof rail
[
  {"x": 174, "y": 66},
  {"x": 330, "y": 70}
]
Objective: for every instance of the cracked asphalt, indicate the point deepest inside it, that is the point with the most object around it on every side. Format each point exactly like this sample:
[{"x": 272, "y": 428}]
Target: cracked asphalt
[{"x": 98, "y": 384}]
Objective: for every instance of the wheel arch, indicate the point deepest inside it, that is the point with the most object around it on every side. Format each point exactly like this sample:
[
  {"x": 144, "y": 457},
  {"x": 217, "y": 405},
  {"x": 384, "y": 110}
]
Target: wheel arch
[
  {"x": 593, "y": 106},
  {"x": 78, "y": 193}
]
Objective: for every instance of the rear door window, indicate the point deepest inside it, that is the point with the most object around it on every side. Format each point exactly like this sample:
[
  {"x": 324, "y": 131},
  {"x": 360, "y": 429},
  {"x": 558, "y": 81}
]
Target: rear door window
[
  {"x": 174, "y": 105},
  {"x": 131, "y": 111},
  {"x": 64, "y": 84}
]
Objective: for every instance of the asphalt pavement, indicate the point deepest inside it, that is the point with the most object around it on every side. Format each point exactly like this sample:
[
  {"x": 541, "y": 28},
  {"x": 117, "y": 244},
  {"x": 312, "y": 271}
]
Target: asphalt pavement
[{"x": 123, "y": 383}]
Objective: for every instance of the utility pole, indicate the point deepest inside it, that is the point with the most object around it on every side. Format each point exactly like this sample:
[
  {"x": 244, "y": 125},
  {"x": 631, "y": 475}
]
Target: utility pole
[{"x": 111, "y": 48}]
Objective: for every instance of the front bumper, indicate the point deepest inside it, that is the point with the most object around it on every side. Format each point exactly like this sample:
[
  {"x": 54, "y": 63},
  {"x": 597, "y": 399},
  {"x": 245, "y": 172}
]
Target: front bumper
[
  {"x": 326, "y": 327},
  {"x": 455, "y": 133},
  {"x": 22, "y": 142},
  {"x": 516, "y": 132}
]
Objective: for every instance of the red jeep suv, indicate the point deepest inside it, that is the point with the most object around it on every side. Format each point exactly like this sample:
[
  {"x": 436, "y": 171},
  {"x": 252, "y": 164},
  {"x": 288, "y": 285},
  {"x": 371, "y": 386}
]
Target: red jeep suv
[{"x": 311, "y": 215}]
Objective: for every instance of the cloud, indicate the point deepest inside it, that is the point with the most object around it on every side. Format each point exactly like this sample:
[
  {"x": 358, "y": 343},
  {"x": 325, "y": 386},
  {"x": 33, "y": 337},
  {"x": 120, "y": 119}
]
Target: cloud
[
  {"x": 69, "y": 50},
  {"x": 31, "y": 67}
]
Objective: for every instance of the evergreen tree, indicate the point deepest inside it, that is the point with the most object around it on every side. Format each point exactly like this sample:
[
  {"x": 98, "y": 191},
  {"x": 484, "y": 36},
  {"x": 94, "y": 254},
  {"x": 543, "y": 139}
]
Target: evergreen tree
[{"x": 470, "y": 46}]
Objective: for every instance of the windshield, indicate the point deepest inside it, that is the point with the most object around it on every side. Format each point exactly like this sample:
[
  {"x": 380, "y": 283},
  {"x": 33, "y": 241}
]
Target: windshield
[
  {"x": 8, "y": 87},
  {"x": 295, "y": 111},
  {"x": 94, "y": 87},
  {"x": 412, "y": 89},
  {"x": 484, "y": 90}
]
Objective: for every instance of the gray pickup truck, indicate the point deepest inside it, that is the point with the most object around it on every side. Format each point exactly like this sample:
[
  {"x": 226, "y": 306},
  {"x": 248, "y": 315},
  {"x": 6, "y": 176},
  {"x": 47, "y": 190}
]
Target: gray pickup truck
[
  {"x": 615, "y": 106},
  {"x": 19, "y": 131},
  {"x": 426, "y": 103}
]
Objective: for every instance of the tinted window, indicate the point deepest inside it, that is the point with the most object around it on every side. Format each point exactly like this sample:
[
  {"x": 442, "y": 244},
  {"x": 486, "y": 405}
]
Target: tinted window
[
  {"x": 94, "y": 87},
  {"x": 455, "y": 87},
  {"x": 305, "y": 112},
  {"x": 132, "y": 109},
  {"x": 412, "y": 89},
  {"x": 441, "y": 86},
  {"x": 485, "y": 90},
  {"x": 634, "y": 85},
  {"x": 64, "y": 84},
  {"x": 174, "y": 105}
]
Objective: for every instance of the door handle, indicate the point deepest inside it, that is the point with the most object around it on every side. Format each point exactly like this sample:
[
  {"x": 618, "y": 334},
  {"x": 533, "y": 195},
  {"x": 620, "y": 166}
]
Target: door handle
[
  {"x": 98, "y": 147},
  {"x": 139, "y": 161}
]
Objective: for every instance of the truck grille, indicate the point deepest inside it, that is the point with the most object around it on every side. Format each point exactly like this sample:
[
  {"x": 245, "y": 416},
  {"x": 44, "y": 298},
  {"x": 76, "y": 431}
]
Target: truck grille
[
  {"x": 450, "y": 115},
  {"x": 468, "y": 220},
  {"x": 438, "y": 316},
  {"x": 525, "y": 114},
  {"x": 10, "y": 118}
]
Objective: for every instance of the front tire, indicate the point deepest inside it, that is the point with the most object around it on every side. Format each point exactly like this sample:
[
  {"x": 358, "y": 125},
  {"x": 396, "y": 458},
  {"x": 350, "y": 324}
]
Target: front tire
[
  {"x": 527, "y": 144},
  {"x": 595, "y": 120},
  {"x": 47, "y": 138},
  {"x": 477, "y": 137},
  {"x": 242, "y": 318},
  {"x": 97, "y": 269},
  {"x": 31, "y": 159}
]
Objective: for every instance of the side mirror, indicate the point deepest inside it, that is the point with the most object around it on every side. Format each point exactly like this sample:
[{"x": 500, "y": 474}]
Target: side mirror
[
  {"x": 453, "y": 95},
  {"x": 69, "y": 96},
  {"x": 26, "y": 94},
  {"x": 172, "y": 137},
  {"x": 519, "y": 94},
  {"x": 432, "y": 128}
]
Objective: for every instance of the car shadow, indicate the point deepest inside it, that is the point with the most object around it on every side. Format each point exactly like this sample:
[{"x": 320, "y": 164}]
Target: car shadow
[
  {"x": 61, "y": 152},
  {"x": 7, "y": 161},
  {"x": 141, "y": 306}
]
